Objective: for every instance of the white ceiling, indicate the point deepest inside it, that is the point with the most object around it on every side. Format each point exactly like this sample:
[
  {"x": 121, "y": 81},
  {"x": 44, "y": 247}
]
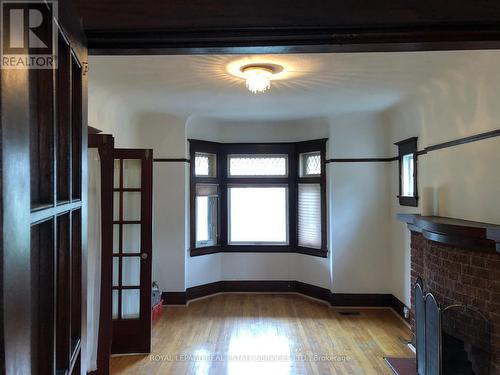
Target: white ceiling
[{"x": 314, "y": 85}]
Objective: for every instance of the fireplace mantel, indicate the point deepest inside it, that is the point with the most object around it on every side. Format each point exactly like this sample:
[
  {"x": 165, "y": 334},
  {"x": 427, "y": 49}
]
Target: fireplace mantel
[{"x": 470, "y": 235}]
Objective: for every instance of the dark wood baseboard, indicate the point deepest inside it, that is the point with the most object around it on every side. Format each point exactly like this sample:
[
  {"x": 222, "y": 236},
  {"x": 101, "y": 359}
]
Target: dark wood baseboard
[
  {"x": 174, "y": 298},
  {"x": 290, "y": 286},
  {"x": 399, "y": 308},
  {"x": 369, "y": 300},
  {"x": 246, "y": 286},
  {"x": 361, "y": 300},
  {"x": 195, "y": 252}
]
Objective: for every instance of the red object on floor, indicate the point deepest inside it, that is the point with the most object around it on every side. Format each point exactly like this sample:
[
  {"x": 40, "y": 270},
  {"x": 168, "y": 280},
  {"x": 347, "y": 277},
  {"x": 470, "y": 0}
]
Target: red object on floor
[
  {"x": 157, "y": 310},
  {"x": 402, "y": 366}
]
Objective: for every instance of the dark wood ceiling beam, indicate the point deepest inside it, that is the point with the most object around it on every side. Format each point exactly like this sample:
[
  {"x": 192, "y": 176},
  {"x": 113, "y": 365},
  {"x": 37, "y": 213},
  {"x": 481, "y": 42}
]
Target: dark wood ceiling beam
[
  {"x": 289, "y": 40},
  {"x": 282, "y": 26}
]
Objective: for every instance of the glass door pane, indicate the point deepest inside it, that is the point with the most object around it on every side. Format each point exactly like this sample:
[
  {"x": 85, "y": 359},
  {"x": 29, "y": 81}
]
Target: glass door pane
[
  {"x": 116, "y": 178},
  {"x": 131, "y": 206},
  {"x": 130, "y": 303},
  {"x": 131, "y": 238},
  {"x": 116, "y": 270},
  {"x": 115, "y": 304},
  {"x": 131, "y": 271},
  {"x": 132, "y": 173}
]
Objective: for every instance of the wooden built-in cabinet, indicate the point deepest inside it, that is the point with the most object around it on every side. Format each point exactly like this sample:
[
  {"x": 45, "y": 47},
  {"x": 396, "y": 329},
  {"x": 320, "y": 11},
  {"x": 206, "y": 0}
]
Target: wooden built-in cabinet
[
  {"x": 43, "y": 179},
  {"x": 56, "y": 231}
]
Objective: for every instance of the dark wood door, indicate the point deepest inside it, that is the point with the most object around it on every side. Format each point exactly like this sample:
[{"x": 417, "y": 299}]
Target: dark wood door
[
  {"x": 43, "y": 176},
  {"x": 132, "y": 247}
]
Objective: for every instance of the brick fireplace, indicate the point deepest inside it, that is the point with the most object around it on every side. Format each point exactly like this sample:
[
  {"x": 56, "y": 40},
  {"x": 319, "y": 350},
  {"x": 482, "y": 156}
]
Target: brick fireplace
[{"x": 459, "y": 263}]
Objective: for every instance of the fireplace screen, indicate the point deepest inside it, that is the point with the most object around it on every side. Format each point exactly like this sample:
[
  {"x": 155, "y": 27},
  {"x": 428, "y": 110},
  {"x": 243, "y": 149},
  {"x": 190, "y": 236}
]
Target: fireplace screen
[{"x": 450, "y": 341}]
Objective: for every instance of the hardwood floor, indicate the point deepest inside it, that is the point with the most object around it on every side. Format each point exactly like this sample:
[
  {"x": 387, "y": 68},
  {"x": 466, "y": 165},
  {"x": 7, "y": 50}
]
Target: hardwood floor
[{"x": 260, "y": 334}]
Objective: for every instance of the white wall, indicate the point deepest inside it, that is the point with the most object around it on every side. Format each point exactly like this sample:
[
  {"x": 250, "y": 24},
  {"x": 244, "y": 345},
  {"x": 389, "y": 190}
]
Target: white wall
[
  {"x": 166, "y": 135},
  {"x": 112, "y": 115},
  {"x": 357, "y": 258},
  {"x": 465, "y": 179},
  {"x": 359, "y": 205},
  {"x": 359, "y": 244},
  {"x": 369, "y": 248}
]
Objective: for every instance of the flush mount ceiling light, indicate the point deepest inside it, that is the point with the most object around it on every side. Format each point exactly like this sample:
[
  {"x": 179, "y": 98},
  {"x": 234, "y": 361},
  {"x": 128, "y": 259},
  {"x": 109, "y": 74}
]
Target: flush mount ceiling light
[{"x": 258, "y": 76}]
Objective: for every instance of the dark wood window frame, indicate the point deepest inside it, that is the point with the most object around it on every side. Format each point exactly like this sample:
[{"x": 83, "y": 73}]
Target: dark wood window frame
[
  {"x": 405, "y": 147},
  {"x": 292, "y": 180}
]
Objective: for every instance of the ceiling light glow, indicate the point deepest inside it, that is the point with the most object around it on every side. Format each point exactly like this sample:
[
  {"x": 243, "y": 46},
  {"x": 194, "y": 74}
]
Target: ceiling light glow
[{"x": 258, "y": 77}]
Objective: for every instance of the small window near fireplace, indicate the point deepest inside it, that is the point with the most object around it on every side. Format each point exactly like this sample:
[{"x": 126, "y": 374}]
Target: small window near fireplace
[{"x": 407, "y": 155}]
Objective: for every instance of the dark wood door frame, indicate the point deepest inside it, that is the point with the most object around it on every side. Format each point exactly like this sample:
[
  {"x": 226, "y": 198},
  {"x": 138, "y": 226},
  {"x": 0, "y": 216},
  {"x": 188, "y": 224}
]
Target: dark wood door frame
[{"x": 105, "y": 144}]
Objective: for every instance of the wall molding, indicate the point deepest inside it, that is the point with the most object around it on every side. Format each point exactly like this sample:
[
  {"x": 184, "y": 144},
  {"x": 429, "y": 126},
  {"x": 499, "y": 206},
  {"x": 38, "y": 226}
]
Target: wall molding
[
  {"x": 286, "y": 286},
  {"x": 465, "y": 140},
  {"x": 438, "y": 146},
  {"x": 426, "y": 150},
  {"x": 172, "y": 160},
  {"x": 361, "y": 160}
]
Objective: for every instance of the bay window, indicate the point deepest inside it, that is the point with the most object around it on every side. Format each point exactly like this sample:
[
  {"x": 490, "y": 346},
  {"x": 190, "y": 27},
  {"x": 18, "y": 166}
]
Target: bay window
[{"x": 268, "y": 197}]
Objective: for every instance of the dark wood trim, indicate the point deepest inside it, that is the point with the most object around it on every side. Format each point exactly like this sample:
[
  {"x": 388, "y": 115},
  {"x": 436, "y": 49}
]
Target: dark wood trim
[
  {"x": 399, "y": 307},
  {"x": 41, "y": 264},
  {"x": 361, "y": 299},
  {"x": 105, "y": 144},
  {"x": 223, "y": 180},
  {"x": 296, "y": 39},
  {"x": 285, "y": 286},
  {"x": 248, "y": 286},
  {"x": 257, "y": 249},
  {"x": 174, "y": 298},
  {"x": 313, "y": 291},
  {"x": 439, "y": 146},
  {"x": 471, "y": 235},
  {"x": 194, "y": 252},
  {"x": 405, "y": 147},
  {"x": 92, "y": 130},
  {"x": 408, "y": 201},
  {"x": 172, "y": 160},
  {"x": 204, "y": 290},
  {"x": 361, "y": 160},
  {"x": 322, "y": 253},
  {"x": 465, "y": 140}
]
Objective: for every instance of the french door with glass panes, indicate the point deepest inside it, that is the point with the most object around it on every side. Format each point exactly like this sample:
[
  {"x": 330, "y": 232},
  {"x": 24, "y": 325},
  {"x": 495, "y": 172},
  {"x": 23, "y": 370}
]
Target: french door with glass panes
[{"x": 132, "y": 244}]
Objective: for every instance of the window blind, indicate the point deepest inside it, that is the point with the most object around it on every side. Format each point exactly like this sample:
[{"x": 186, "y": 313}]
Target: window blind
[{"x": 310, "y": 215}]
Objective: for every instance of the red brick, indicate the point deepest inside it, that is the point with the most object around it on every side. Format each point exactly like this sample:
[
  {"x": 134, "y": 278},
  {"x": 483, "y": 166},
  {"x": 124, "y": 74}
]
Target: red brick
[{"x": 456, "y": 275}]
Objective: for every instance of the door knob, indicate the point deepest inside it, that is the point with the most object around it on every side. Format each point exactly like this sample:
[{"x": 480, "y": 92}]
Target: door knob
[{"x": 144, "y": 256}]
